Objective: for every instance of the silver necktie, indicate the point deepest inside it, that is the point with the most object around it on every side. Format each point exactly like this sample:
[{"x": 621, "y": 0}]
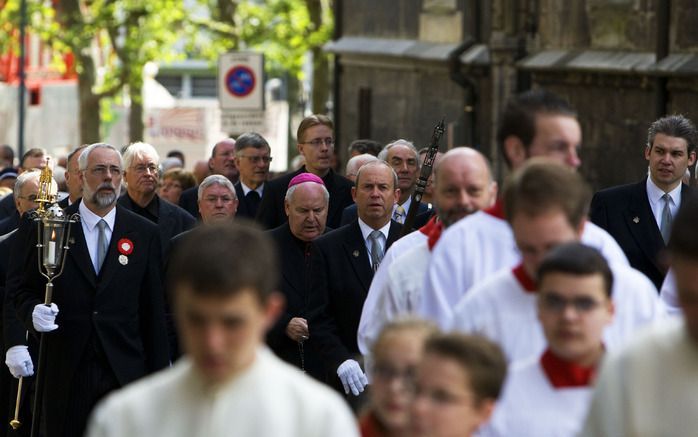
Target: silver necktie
[
  {"x": 102, "y": 244},
  {"x": 667, "y": 219},
  {"x": 376, "y": 249}
]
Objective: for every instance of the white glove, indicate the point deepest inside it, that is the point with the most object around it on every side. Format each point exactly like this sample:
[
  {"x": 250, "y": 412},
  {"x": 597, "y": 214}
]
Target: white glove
[
  {"x": 19, "y": 362},
  {"x": 44, "y": 317},
  {"x": 352, "y": 377}
]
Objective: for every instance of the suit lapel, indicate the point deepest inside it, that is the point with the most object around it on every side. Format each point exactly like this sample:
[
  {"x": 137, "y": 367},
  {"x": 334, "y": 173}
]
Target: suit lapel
[
  {"x": 111, "y": 260},
  {"x": 79, "y": 252},
  {"x": 393, "y": 234},
  {"x": 355, "y": 251},
  {"x": 643, "y": 225}
]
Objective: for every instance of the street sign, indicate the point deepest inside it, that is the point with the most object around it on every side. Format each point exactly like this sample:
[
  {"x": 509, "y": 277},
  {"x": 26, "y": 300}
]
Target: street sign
[
  {"x": 235, "y": 122},
  {"x": 241, "y": 81}
]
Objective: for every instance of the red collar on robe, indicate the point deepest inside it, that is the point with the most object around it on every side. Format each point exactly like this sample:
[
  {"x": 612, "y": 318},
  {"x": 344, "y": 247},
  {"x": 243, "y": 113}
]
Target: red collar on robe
[
  {"x": 370, "y": 426},
  {"x": 526, "y": 282},
  {"x": 496, "y": 210},
  {"x": 432, "y": 229},
  {"x": 562, "y": 373}
]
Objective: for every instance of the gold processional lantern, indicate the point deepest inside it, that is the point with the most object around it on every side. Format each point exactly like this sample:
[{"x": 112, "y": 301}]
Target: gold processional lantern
[{"x": 53, "y": 227}]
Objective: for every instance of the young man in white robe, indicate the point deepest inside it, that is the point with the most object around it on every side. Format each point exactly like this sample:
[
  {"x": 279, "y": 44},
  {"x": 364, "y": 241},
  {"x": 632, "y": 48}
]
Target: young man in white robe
[
  {"x": 649, "y": 389},
  {"x": 546, "y": 205},
  {"x": 549, "y": 394},
  {"x": 535, "y": 123},
  {"x": 228, "y": 383}
]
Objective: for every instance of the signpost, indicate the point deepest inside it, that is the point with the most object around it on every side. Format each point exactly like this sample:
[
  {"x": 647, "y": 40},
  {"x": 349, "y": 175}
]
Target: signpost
[{"x": 241, "y": 92}]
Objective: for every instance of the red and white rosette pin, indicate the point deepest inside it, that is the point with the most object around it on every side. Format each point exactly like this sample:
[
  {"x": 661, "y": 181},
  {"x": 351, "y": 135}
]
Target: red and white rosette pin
[{"x": 125, "y": 248}]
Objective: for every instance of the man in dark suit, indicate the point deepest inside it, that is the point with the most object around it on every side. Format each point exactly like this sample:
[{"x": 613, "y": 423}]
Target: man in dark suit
[
  {"x": 306, "y": 208},
  {"x": 72, "y": 178},
  {"x": 402, "y": 156},
  {"x": 141, "y": 176},
  {"x": 315, "y": 142},
  {"x": 222, "y": 162},
  {"x": 111, "y": 327},
  {"x": 252, "y": 158},
  {"x": 347, "y": 258},
  {"x": 26, "y": 189},
  {"x": 35, "y": 158},
  {"x": 639, "y": 215}
]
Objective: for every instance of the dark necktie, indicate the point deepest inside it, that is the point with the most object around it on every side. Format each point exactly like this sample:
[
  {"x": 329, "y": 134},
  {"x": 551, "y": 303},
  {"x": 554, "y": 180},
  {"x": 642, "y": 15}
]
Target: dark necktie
[
  {"x": 102, "y": 244},
  {"x": 253, "y": 199},
  {"x": 667, "y": 219}
]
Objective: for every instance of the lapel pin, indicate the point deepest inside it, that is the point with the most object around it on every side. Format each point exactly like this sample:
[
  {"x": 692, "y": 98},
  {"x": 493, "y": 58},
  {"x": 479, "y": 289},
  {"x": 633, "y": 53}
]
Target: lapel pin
[
  {"x": 123, "y": 260},
  {"x": 125, "y": 247},
  {"x": 636, "y": 219},
  {"x": 355, "y": 253}
]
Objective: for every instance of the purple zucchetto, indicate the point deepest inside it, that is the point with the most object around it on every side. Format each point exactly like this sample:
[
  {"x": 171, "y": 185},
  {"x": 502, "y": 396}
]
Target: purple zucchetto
[{"x": 305, "y": 177}]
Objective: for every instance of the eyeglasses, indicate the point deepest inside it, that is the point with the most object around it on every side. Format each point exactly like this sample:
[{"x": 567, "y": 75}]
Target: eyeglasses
[
  {"x": 102, "y": 170},
  {"x": 214, "y": 199},
  {"x": 556, "y": 303},
  {"x": 30, "y": 198},
  {"x": 142, "y": 168},
  {"x": 441, "y": 396},
  {"x": 318, "y": 141},
  {"x": 387, "y": 373},
  {"x": 257, "y": 159}
]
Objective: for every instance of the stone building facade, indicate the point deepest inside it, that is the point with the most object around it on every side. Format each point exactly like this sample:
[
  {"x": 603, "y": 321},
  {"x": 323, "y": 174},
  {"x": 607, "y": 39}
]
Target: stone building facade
[{"x": 403, "y": 65}]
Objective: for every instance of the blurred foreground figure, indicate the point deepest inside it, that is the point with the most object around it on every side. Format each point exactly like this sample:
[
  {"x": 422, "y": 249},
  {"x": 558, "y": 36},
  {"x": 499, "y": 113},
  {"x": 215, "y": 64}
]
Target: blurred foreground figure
[
  {"x": 649, "y": 388},
  {"x": 227, "y": 383}
]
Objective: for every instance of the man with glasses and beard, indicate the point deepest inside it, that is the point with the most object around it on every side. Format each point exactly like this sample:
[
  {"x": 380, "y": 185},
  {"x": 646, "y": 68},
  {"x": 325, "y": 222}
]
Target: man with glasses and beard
[{"x": 111, "y": 327}]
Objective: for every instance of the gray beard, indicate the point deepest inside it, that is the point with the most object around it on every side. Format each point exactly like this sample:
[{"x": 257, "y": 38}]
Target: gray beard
[{"x": 102, "y": 200}]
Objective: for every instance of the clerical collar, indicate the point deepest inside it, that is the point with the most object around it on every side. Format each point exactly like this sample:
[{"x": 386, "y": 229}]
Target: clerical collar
[
  {"x": 524, "y": 279},
  {"x": 246, "y": 189},
  {"x": 496, "y": 210},
  {"x": 564, "y": 374}
]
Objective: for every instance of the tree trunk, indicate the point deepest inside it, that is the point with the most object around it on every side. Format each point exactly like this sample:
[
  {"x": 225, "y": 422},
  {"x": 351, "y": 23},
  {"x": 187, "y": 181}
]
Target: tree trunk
[
  {"x": 135, "y": 115},
  {"x": 320, "y": 90},
  {"x": 89, "y": 103}
]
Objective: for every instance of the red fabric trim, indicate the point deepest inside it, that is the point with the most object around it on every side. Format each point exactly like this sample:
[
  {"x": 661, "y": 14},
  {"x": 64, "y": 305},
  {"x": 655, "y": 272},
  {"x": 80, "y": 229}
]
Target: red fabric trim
[
  {"x": 370, "y": 427},
  {"x": 435, "y": 234},
  {"x": 526, "y": 282},
  {"x": 496, "y": 210},
  {"x": 426, "y": 229},
  {"x": 562, "y": 373}
]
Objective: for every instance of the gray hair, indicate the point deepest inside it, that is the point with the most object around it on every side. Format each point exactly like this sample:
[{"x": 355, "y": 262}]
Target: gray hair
[
  {"x": 377, "y": 163},
  {"x": 216, "y": 179},
  {"x": 82, "y": 159},
  {"x": 139, "y": 150},
  {"x": 23, "y": 178},
  {"x": 290, "y": 191},
  {"x": 356, "y": 162},
  {"x": 383, "y": 155}
]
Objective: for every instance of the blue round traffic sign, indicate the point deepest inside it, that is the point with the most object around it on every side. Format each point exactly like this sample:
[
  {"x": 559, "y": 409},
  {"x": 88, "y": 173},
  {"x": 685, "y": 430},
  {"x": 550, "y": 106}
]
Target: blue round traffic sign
[{"x": 240, "y": 81}]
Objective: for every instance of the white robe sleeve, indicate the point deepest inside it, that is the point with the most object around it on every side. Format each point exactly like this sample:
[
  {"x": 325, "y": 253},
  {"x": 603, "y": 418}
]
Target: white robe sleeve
[
  {"x": 606, "y": 414},
  {"x": 668, "y": 295}
]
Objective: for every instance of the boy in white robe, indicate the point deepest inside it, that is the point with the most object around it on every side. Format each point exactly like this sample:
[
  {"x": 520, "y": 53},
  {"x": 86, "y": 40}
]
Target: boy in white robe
[
  {"x": 228, "y": 383},
  {"x": 546, "y": 205},
  {"x": 548, "y": 395}
]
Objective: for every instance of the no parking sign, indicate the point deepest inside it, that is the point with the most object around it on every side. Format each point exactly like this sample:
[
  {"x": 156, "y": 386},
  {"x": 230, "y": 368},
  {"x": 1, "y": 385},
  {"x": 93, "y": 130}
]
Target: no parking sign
[{"x": 241, "y": 81}]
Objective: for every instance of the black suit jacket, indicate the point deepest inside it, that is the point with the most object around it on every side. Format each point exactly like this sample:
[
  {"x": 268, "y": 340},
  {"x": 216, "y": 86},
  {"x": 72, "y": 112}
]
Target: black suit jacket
[
  {"x": 7, "y": 206},
  {"x": 344, "y": 275},
  {"x": 625, "y": 213},
  {"x": 244, "y": 208},
  {"x": 271, "y": 213},
  {"x": 119, "y": 310},
  {"x": 172, "y": 220},
  {"x": 189, "y": 201},
  {"x": 9, "y": 224},
  {"x": 296, "y": 279}
]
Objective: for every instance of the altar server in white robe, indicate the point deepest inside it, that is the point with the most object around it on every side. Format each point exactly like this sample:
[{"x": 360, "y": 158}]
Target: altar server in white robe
[
  {"x": 548, "y": 395},
  {"x": 463, "y": 184},
  {"x": 535, "y": 123},
  {"x": 649, "y": 388},
  {"x": 546, "y": 205},
  {"x": 228, "y": 383}
]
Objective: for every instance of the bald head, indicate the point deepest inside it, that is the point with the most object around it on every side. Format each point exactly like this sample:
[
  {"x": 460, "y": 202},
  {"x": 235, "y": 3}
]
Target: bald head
[
  {"x": 463, "y": 184},
  {"x": 355, "y": 163},
  {"x": 223, "y": 159}
]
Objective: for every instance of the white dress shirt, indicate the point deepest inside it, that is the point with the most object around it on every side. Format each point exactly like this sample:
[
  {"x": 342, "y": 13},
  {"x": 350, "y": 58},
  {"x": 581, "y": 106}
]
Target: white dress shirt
[
  {"x": 246, "y": 189},
  {"x": 88, "y": 221},
  {"x": 366, "y": 231}
]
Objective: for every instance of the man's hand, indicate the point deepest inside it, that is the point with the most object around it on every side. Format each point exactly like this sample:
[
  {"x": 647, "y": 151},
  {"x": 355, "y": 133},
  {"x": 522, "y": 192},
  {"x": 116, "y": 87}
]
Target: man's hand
[
  {"x": 297, "y": 329},
  {"x": 352, "y": 377},
  {"x": 19, "y": 361},
  {"x": 44, "y": 317}
]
